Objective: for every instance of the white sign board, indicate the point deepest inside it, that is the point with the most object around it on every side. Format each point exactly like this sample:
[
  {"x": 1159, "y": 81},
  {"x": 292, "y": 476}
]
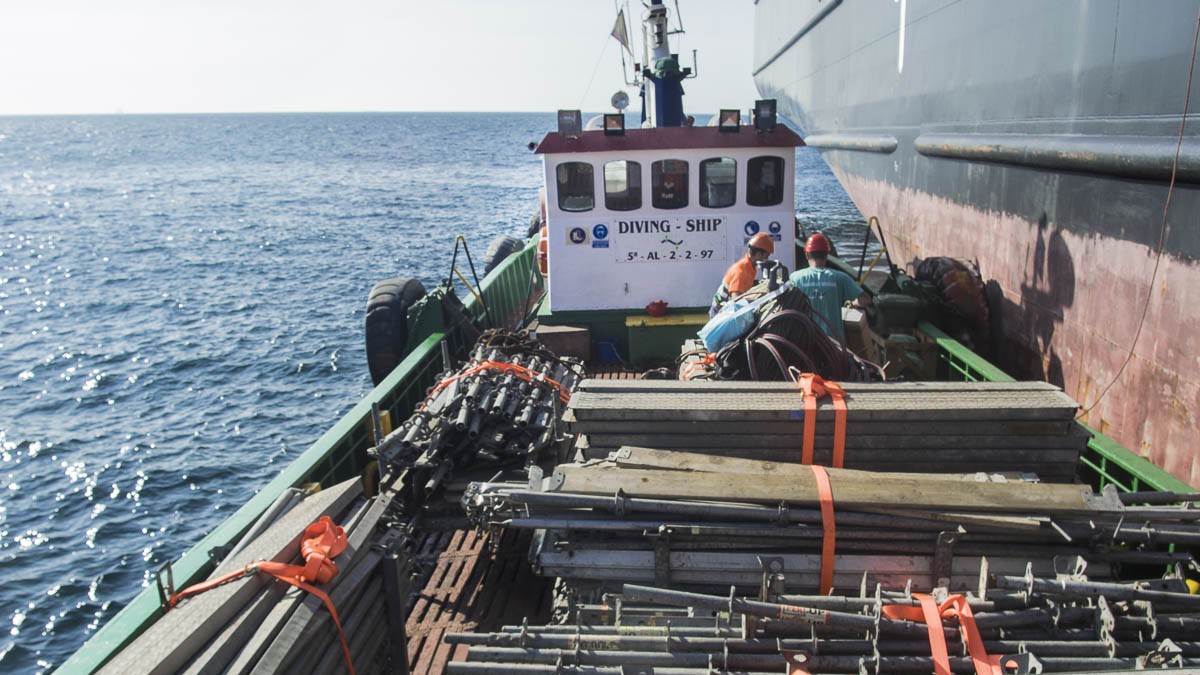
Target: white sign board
[{"x": 601, "y": 259}]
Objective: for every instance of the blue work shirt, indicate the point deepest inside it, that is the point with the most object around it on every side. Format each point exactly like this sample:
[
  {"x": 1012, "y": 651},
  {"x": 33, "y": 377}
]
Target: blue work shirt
[{"x": 827, "y": 290}]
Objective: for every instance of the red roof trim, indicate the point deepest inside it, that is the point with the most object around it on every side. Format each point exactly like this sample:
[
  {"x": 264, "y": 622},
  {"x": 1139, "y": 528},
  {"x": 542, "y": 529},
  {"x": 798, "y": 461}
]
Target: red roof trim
[{"x": 669, "y": 138}]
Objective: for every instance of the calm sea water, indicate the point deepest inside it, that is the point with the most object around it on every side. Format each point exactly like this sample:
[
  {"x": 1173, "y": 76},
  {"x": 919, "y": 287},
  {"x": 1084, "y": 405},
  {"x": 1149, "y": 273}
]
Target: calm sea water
[{"x": 181, "y": 308}]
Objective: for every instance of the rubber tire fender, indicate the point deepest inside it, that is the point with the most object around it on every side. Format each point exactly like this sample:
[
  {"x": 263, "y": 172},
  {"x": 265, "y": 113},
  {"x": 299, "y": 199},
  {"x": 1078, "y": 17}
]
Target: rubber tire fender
[
  {"x": 500, "y": 248},
  {"x": 387, "y": 323}
]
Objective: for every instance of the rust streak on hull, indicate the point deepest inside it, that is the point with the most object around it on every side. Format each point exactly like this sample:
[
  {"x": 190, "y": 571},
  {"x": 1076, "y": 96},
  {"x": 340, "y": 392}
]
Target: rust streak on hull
[{"x": 1069, "y": 306}]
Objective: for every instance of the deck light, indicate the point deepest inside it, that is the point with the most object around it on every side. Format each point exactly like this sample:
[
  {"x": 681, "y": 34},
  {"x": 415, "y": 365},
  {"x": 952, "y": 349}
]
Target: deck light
[
  {"x": 570, "y": 123},
  {"x": 764, "y": 114},
  {"x": 614, "y": 124},
  {"x": 730, "y": 119}
]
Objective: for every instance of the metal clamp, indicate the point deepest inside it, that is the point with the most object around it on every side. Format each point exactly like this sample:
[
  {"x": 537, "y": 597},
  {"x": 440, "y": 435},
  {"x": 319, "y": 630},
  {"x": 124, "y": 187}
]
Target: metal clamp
[
  {"x": 943, "y": 559},
  {"x": 1020, "y": 664},
  {"x": 620, "y": 503},
  {"x": 165, "y": 593},
  {"x": 662, "y": 557},
  {"x": 1166, "y": 655}
]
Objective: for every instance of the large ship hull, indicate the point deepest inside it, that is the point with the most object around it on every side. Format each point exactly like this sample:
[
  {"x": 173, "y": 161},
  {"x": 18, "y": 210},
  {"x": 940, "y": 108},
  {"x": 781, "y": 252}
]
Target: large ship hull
[{"x": 1045, "y": 141}]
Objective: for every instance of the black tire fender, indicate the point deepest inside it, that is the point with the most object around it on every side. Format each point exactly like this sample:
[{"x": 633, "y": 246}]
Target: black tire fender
[
  {"x": 500, "y": 248},
  {"x": 387, "y": 324}
]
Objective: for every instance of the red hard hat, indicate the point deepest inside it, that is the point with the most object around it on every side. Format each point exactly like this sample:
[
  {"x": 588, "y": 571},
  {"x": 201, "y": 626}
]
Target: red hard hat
[
  {"x": 762, "y": 240},
  {"x": 817, "y": 243}
]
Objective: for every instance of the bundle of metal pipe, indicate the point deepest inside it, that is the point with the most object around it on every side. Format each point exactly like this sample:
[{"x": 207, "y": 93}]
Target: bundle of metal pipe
[
  {"x": 501, "y": 407},
  {"x": 696, "y": 521},
  {"x": 640, "y": 629}
]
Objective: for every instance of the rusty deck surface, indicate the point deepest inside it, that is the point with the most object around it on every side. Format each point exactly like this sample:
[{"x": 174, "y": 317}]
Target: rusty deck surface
[{"x": 465, "y": 586}]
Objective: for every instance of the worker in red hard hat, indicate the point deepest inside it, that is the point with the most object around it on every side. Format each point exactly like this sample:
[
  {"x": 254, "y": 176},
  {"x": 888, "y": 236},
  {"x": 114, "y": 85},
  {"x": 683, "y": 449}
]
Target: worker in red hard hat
[
  {"x": 741, "y": 274},
  {"x": 827, "y": 289}
]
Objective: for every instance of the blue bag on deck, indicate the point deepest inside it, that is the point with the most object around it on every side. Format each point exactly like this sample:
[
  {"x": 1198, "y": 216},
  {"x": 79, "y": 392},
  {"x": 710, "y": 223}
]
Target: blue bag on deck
[{"x": 734, "y": 320}]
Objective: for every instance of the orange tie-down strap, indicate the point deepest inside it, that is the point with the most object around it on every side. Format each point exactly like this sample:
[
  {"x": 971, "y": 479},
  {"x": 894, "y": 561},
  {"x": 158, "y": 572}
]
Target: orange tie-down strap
[
  {"x": 699, "y": 367},
  {"x": 520, "y": 371},
  {"x": 815, "y": 387},
  {"x": 829, "y": 537},
  {"x": 323, "y": 541},
  {"x": 931, "y": 614}
]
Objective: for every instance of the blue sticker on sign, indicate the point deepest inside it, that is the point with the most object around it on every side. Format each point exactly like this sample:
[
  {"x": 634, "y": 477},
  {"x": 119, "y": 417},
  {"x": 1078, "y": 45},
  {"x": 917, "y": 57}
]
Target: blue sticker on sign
[
  {"x": 600, "y": 231},
  {"x": 774, "y": 227},
  {"x": 751, "y": 228},
  {"x": 600, "y": 244},
  {"x": 577, "y": 235}
]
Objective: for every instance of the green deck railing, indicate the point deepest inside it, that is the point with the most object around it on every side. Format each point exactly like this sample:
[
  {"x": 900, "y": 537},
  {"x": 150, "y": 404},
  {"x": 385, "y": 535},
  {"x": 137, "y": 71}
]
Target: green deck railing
[
  {"x": 1104, "y": 462},
  {"x": 339, "y": 454}
]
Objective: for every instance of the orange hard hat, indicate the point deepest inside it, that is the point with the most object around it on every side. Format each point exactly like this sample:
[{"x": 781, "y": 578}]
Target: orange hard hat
[
  {"x": 817, "y": 243},
  {"x": 762, "y": 240}
]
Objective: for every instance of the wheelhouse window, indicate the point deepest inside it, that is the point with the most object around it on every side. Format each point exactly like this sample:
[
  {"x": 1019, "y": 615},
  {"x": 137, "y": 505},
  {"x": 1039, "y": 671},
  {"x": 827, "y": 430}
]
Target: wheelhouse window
[
  {"x": 718, "y": 182},
  {"x": 576, "y": 190},
  {"x": 669, "y": 183},
  {"x": 764, "y": 181},
  {"x": 622, "y": 185}
]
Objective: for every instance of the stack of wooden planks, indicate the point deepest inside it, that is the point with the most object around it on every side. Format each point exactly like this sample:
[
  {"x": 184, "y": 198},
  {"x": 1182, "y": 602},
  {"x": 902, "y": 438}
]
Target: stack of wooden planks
[
  {"x": 259, "y": 624},
  {"x": 956, "y": 427}
]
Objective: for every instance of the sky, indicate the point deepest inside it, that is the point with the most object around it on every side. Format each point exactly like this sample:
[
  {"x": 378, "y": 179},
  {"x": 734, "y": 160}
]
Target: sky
[{"x": 171, "y": 56}]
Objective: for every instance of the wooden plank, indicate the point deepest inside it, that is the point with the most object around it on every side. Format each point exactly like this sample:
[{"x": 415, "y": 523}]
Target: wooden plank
[
  {"x": 737, "y": 386},
  {"x": 168, "y": 644},
  {"x": 254, "y": 647},
  {"x": 966, "y": 406},
  {"x": 248, "y": 649},
  {"x": 825, "y": 428},
  {"x": 1049, "y": 463},
  {"x": 351, "y": 571},
  {"x": 648, "y": 458},
  {"x": 229, "y": 643},
  {"x": 853, "y": 441},
  {"x": 850, "y": 489},
  {"x": 317, "y": 633},
  {"x": 886, "y": 455},
  {"x": 904, "y": 461}
]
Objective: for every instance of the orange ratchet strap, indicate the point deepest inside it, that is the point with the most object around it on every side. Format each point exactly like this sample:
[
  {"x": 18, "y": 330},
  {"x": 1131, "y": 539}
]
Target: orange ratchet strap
[
  {"x": 829, "y": 540},
  {"x": 323, "y": 541},
  {"x": 931, "y": 614},
  {"x": 520, "y": 371},
  {"x": 814, "y": 387},
  {"x": 698, "y": 367}
]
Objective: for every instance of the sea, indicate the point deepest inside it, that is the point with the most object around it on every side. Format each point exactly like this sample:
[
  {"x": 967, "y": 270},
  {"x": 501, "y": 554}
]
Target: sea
[{"x": 181, "y": 314}]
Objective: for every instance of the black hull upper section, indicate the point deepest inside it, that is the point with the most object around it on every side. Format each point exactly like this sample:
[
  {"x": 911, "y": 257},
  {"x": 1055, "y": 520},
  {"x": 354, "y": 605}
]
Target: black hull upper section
[{"x": 1065, "y": 113}]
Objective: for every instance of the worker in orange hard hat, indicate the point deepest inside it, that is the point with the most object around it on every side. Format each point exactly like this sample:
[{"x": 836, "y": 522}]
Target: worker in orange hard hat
[
  {"x": 740, "y": 275},
  {"x": 827, "y": 289}
]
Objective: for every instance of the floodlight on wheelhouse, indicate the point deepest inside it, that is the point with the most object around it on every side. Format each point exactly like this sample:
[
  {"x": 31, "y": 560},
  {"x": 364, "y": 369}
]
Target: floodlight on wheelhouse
[
  {"x": 730, "y": 119},
  {"x": 614, "y": 124},
  {"x": 570, "y": 123},
  {"x": 765, "y": 118}
]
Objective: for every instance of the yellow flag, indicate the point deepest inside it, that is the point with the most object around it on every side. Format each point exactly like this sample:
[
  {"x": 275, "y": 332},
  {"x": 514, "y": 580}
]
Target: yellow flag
[{"x": 620, "y": 33}]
